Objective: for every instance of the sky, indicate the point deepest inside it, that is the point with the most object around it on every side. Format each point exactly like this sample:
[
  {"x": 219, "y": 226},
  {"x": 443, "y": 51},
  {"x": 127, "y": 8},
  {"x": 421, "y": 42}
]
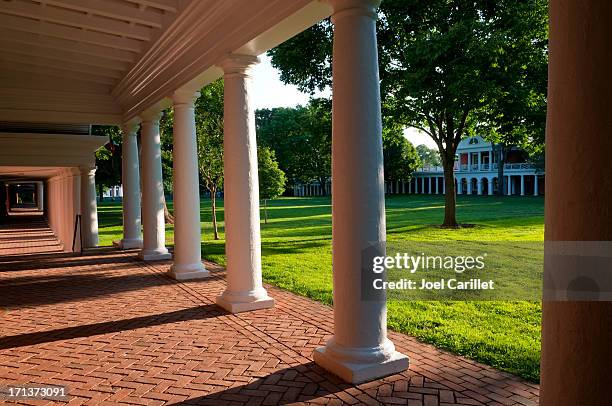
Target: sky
[{"x": 269, "y": 92}]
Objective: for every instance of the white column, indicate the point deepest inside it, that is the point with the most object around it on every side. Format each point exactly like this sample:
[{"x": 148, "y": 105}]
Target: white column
[
  {"x": 469, "y": 186},
  {"x": 403, "y": 187},
  {"x": 429, "y": 191},
  {"x": 130, "y": 178},
  {"x": 459, "y": 186},
  {"x": 509, "y": 183},
  {"x": 443, "y": 186},
  {"x": 490, "y": 160},
  {"x": 245, "y": 289},
  {"x": 89, "y": 207},
  {"x": 154, "y": 228},
  {"x": 410, "y": 186},
  {"x": 469, "y": 161},
  {"x": 187, "y": 227},
  {"x": 359, "y": 350},
  {"x": 535, "y": 185},
  {"x": 490, "y": 186},
  {"x": 40, "y": 195},
  {"x": 479, "y": 185},
  {"x": 522, "y": 185},
  {"x": 479, "y": 160}
]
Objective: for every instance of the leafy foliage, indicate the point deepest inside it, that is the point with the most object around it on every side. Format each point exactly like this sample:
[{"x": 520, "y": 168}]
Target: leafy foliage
[
  {"x": 209, "y": 130},
  {"x": 428, "y": 156},
  {"x": 400, "y": 156},
  {"x": 445, "y": 65},
  {"x": 300, "y": 138},
  {"x": 271, "y": 178},
  {"x": 108, "y": 162}
]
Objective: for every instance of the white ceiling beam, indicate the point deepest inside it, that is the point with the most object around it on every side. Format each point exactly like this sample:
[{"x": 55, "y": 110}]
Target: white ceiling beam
[
  {"x": 76, "y": 19},
  {"x": 145, "y": 16},
  {"x": 70, "y": 33},
  {"x": 61, "y": 55},
  {"x": 64, "y": 65},
  {"x": 166, "y": 5},
  {"x": 53, "y": 72},
  {"x": 60, "y": 44}
]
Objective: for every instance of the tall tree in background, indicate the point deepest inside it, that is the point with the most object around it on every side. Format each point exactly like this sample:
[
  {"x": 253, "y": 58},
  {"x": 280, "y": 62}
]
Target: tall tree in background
[
  {"x": 301, "y": 139},
  {"x": 428, "y": 156},
  {"x": 399, "y": 155},
  {"x": 271, "y": 178},
  {"x": 439, "y": 65},
  {"x": 209, "y": 131}
]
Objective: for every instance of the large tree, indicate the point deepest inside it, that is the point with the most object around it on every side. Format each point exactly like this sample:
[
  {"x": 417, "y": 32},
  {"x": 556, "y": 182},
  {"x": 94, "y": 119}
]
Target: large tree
[
  {"x": 209, "y": 130},
  {"x": 439, "y": 65}
]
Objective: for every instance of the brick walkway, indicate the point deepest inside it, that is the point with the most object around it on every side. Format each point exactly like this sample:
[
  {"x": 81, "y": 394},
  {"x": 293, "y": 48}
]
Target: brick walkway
[{"x": 118, "y": 331}]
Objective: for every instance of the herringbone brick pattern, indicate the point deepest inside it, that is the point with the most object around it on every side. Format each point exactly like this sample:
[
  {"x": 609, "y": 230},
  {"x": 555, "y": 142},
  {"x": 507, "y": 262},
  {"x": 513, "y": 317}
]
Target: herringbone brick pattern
[{"x": 118, "y": 331}]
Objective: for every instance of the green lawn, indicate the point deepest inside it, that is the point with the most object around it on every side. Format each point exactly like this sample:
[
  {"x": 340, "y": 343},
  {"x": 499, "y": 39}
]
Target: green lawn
[{"x": 296, "y": 251}]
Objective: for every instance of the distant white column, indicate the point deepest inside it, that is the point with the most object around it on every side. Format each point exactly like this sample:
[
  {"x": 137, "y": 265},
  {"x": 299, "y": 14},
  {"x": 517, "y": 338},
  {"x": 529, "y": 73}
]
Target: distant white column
[
  {"x": 490, "y": 186},
  {"x": 403, "y": 187},
  {"x": 479, "y": 161},
  {"x": 430, "y": 185},
  {"x": 443, "y": 186},
  {"x": 40, "y": 195},
  {"x": 509, "y": 185},
  {"x": 459, "y": 186},
  {"x": 245, "y": 289},
  {"x": 186, "y": 187},
  {"x": 130, "y": 177},
  {"x": 410, "y": 186},
  {"x": 89, "y": 208},
  {"x": 479, "y": 185},
  {"x": 469, "y": 186},
  {"x": 490, "y": 160},
  {"x": 154, "y": 238},
  {"x": 359, "y": 351},
  {"x": 522, "y": 185},
  {"x": 469, "y": 161},
  {"x": 535, "y": 185}
]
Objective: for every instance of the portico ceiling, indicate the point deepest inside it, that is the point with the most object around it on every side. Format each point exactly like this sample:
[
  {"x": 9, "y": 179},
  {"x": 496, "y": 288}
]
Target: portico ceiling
[{"x": 104, "y": 61}]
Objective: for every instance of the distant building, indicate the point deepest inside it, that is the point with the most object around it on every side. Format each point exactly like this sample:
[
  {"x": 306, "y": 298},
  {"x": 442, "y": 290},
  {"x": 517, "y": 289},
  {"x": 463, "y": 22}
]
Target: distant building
[{"x": 476, "y": 173}]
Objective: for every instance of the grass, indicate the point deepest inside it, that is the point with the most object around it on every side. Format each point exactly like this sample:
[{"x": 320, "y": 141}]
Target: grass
[{"x": 296, "y": 255}]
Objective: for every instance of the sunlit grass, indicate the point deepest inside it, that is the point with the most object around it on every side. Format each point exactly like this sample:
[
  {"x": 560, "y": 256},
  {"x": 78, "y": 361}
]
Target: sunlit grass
[{"x": 296, "y": 255}]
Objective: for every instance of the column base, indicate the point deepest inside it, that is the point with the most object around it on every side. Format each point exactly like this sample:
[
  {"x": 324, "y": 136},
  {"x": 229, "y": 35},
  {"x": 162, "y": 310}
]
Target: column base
[
  {"x": 188, "y": 272},
  {"x": 237, "y": 302},
  {"x": 128, "y": 244},
  {"x": 357, "y": 372},
  {"x": 159, "y": 254}
]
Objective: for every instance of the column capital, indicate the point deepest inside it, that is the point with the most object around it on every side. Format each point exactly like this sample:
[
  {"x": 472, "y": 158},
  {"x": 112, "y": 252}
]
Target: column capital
[
  {"x": 88, "y": 170},
  {"x": 238, "y": 64},
  {"x": 185, "y": 96},
  {"x": 130, "y": 128},
  {"x": 152, "y": 115},
  {"x": 344, "y": 8}
]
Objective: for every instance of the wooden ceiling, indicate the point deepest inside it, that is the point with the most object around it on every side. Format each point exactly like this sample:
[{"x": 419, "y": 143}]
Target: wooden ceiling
[{"x": 89, "y": 41}]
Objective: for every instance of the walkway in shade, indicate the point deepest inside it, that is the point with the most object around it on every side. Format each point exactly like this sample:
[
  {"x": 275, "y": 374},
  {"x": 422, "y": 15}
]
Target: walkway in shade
[{"x": 117, "y": 331}]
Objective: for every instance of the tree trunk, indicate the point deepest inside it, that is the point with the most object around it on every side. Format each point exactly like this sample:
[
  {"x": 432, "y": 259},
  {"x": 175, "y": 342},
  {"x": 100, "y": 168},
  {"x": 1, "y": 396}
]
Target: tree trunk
[
  {"x": 265, "y": 211},
  {"x": 501, "y": 160},
  {"x": 450, "y": 212},
  {"x": 213, "y": 205},
  {"x": 168, "y": 218}
]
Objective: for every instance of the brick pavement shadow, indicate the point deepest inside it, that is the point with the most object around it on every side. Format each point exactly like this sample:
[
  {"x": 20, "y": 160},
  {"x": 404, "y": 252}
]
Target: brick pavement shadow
[
  {"x": 301, "y": 383},
  {"x": 114, "y": 326}
]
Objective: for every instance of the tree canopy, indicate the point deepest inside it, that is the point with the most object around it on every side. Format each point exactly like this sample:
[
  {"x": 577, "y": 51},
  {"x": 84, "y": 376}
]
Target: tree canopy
[
  {"x": 445, "y": 66},
  {"x": 428, "y": 156}
]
